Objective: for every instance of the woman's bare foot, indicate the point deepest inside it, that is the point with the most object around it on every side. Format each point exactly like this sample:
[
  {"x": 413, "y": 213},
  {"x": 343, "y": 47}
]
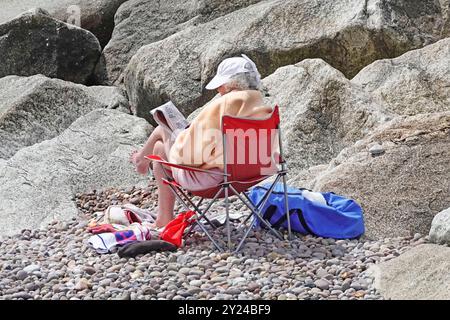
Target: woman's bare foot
[
  {"x": 160, "y": 223},
  {"x": 132, "y": 156},
  {"x": 156, "y": 226},
  {"x": 141, "y": 163}
]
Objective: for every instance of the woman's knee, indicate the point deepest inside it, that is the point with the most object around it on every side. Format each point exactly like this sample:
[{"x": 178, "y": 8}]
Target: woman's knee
[
  {"x": 157, "y": 131},
  {"x": 159, "y": 149}
]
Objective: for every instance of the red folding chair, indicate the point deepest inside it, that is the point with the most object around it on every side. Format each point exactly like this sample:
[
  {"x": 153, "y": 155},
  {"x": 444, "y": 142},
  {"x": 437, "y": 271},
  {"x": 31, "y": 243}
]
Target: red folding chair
[{"x": 248, "y": 144}]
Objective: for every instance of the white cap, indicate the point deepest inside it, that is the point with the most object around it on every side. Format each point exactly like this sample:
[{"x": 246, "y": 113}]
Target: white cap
[{"x": 230, "y": 67}]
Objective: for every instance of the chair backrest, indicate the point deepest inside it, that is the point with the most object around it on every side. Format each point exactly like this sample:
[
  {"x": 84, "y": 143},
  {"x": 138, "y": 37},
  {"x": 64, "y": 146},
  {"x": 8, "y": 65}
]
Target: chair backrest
[{"x": 249, "y": 145}]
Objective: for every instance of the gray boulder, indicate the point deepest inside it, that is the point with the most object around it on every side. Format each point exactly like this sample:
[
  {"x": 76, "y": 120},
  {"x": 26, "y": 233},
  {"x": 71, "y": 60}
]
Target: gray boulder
[
  {"x": 440, "y": 228},
  {"x": 141, "y": 22},
  {"x": 402, "y": 188},
  {"x": 304, "y": 178},
  {"x": 37, "y": 108},
  {"x": 96, "y": 16},
  {"x": 38, "y": 183},
  {"x": 445, "y": 5},
  {"x": 35, "y": 43},
  {"x": 347, "y": 34},
  {"x": 421, "y": 273},
  {"x": 416, "y": 82},
  {"x": 112, "y": 97},
  {"x": 322, "y": 112}
]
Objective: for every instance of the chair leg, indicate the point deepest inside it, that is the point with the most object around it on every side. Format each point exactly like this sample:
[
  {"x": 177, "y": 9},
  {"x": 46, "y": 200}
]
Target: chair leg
[
  {"x": 250, "y": 201},
  {"x": 209, "y": 236},
  {"x": 227, "y": 212},
  {"x": 256, "y": 212},
  {"x": 286, "y": 206},
  {"x": 202, "y": 214},
  {"x": 197, "y": 221},
  {"x": 245, "y": 235},
  {"x": 179, "y": 198},
  {"x": 258, "y": 205}
]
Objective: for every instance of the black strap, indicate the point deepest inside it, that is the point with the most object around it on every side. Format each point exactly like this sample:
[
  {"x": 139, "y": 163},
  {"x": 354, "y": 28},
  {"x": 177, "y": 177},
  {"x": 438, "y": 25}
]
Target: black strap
[
  {"x": 302, "y": 220},
  {"x": 283, "y": 218},
  {"x": 268, "y": 214}
]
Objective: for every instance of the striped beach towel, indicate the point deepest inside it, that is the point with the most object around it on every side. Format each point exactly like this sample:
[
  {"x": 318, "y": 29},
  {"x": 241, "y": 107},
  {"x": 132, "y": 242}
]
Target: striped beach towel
[{"x": 110, "y": 241}]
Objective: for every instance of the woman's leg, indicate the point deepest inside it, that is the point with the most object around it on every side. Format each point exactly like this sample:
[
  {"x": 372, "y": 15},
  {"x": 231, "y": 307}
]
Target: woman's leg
[{"x": 166, "y": 199}]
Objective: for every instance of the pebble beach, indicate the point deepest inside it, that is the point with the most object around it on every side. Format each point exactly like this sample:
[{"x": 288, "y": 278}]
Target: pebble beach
[{"x": 56, "y": 263}]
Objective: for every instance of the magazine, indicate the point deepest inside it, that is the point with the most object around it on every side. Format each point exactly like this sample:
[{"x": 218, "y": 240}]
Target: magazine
[{"x": 170, "y": 118}]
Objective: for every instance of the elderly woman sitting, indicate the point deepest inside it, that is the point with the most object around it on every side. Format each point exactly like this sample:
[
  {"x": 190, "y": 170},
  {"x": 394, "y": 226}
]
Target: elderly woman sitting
[{"x": 237, "y": 81}]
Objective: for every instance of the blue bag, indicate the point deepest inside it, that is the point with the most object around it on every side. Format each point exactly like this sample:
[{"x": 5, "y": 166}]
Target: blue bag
[{"x": 340, "y": 218}]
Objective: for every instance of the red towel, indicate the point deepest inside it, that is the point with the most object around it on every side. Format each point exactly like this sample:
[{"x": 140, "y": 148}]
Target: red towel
[{"x": 174, "y": 230}]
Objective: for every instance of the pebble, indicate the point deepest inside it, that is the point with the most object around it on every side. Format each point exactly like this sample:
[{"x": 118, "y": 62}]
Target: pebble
[
  {"x": 346, "y": 284},
  {"x": 322, "y": 284},
  {"x": 233, "y": 291},
  {"x": 32, "y": 268},
  {"x": 125, "y": 296},
  {"x": 32, "y": 287},
  {"x": 376, "y": 149},
  {"x": 22, "y": 295},
  {"x": 137, "y": 274},
  {"x": 89, "y": 270},
  {"x": 218, "y": 279},
  {"x": 238, "y": 281},
  {"x": 196, "y": 283},
  {"x": 315, "y": 291},
  {"x": 184, "y": 270},
  {"x": 193, "y": 291},
  {"x": 358, "y": 286},
  {"x": 83, "y": 284},
  {"x": 135, "y": 200},
  {"x": 322, "y": 273},
  {"x": 21, "y": 275},
  {"x": 105, "y": 282},
  {"x": 149, "y": 291}
]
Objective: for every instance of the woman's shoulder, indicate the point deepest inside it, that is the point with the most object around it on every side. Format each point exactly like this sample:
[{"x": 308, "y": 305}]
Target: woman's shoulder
[
  {"x": 232, "y": 102},
  {"x": 244, "y": 94}
]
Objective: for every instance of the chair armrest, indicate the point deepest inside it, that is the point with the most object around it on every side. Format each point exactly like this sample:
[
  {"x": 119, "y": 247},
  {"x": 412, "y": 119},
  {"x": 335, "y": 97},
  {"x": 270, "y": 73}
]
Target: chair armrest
[{"x": 179, "y": 166}]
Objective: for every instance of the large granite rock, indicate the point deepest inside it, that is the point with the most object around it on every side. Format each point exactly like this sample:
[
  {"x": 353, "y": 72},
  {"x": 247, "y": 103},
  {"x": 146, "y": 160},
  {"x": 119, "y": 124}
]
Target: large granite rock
[
  {"x": 304, "y": 178},
  {"x": 322, "y": 112},
  {"x": 416, "y": 82},
  {"x": 96, "y": 16},
  {"x": 445, "y": 5},
  {"x": 38, "y": 183},
  {"x": 35, "y": 43},
  {"x": 37, "y": 108},
  {"x": 347, "y": 34},
  {"x": 440, "y": 228},
  {"x": 399, "y": 174},
  {"x": 112, "y": 97},
  {"x": 422, "y": 273},
  {"x": 141, "y": 22}
]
